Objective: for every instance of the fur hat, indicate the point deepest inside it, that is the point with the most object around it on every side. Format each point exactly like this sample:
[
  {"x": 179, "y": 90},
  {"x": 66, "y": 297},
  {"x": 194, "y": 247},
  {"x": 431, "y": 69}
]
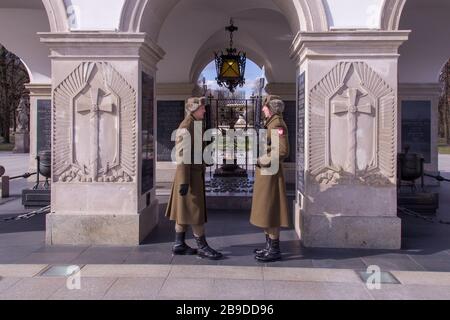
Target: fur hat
[
  {"x": 192, "y": 104},
  {"x": 275, "y": 104}
]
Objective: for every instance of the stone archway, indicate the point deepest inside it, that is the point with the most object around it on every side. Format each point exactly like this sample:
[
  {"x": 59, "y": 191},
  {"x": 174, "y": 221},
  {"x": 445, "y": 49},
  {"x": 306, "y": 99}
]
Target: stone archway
[
  {"x": 302, "y": 15},
  {"x": 391, "y": 14},
  {"x": 57, "y": 15},
  {"x": 204, "y": 57},
  {"x": 364, "y": 59}
]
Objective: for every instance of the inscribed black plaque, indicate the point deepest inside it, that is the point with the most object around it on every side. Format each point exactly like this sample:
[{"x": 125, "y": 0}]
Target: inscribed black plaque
[
  {"x": 147, "y": 133},
  {"x": 170, "y": 115},
  {"x": 44, "y": 125},
  {"x": 290, "y": 119},
  {"x": 416, "y": 127},
  {"x": 301, "y": 133}
]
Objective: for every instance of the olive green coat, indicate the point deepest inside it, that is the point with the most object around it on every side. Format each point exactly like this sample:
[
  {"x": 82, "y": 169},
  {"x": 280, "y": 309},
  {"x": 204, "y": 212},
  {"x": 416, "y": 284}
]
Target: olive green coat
[
  {"x": 270, "y": 208},
  {"x": 189, "y": 209}
]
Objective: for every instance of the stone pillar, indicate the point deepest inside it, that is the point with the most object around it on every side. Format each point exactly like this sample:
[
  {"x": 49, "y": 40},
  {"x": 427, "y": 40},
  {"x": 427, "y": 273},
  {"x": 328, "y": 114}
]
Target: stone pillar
[
  {"x": 103, "y": 112},
  {"x": 419, "y": 111},
  {"x": 40, "y": 101},
  {"x": 347, "y": 139}
]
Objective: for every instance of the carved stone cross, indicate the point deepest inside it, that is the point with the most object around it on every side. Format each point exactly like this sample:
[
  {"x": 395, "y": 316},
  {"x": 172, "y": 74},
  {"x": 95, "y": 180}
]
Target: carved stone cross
[
  {"x": 97, "y": 104},
  {"x": 351, "y": 108}
]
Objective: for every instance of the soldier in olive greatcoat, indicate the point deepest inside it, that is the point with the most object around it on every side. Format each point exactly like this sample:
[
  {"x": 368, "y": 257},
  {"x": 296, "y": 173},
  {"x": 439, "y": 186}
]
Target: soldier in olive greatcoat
[
  {"x": 270, "y": 207},
  {"x": 187, "y": 205}
]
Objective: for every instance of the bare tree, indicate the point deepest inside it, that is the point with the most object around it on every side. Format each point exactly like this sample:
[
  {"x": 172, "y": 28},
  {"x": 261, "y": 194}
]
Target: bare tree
[
  {"x": 444, "y": 104},
  {"x": 13, "y": 77}
]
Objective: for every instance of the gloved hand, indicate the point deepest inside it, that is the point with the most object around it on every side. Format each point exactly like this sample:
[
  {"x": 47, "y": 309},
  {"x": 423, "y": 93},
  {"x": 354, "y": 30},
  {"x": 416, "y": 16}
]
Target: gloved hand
[{"x": 184, "y": 188}]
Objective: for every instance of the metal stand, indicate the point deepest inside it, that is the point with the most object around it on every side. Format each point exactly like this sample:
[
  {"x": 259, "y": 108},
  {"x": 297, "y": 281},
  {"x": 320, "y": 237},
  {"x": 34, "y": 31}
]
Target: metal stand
[
  {"x": 38, "y": 196},
  {"x": 410, "y": 169}
]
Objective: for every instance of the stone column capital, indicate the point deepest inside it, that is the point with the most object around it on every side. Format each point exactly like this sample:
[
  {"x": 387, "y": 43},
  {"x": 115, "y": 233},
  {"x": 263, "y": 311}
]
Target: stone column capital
[
  {"x": 102, "y": 45},
  {"x": 175, "y": 91},
  {"x": 39, "y": 89},
  {"x": 344, "y": 44},
  {"x": 420, "y": 89},
  {"x": 285, "y": 90}
]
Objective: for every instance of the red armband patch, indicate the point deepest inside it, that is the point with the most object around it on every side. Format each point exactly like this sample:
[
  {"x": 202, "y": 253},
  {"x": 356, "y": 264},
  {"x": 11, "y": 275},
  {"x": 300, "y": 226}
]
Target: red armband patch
[{"x": 281, "y": 132}]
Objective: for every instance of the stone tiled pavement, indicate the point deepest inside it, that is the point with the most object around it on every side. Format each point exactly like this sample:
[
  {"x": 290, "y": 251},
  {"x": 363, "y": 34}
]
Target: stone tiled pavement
[
  {"x": 426, "y": 249},
  {"x": 143, "y": 282}
]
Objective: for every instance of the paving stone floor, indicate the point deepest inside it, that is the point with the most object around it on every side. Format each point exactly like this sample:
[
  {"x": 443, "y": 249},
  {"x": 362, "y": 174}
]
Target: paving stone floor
[{"x": 423, "y": 264}]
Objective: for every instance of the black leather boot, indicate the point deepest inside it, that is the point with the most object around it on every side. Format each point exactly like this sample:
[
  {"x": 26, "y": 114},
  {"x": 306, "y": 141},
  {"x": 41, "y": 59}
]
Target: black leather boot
[
  {"x": 205, "y": 251},
  {"x": 180, "y": 248},
  {"x": 273, "y": 254},
  {"x": 260, "y": 252}
]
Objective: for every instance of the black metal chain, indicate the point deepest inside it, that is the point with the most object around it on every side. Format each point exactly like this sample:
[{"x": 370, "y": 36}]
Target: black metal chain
[
  {"x": 24, "y": 176},
  {"x": 27, "y": 216},
  {"x": 422, "y": 217},
  {"x": 438, "y": 178}
]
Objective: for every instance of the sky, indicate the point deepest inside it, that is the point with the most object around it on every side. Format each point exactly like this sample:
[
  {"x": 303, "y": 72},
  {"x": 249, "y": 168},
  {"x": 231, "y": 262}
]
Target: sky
[{"x": 252, "y": 74}]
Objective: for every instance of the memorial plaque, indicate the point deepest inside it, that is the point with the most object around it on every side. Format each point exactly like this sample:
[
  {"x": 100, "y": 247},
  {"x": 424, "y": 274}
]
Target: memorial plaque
[
  {"x": 170, "y": 115},
  {"x": 290, "y": 119},
  {"x": 148, "y": 155},
  {"x": 301, "y": 133},
  {"x": 416, "y": 127},
  {"x": 44, "y": 125}
]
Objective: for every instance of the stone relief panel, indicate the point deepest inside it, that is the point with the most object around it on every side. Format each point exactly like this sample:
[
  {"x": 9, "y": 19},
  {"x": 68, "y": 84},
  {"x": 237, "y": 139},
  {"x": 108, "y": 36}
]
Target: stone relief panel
[
  {"x": 94, "y": 126},
  {"x": 352, "y": 127}
]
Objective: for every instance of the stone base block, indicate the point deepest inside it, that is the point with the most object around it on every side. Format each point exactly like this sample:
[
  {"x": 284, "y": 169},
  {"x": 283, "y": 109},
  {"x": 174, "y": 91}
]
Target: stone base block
[
  {"x": 4, "y": 187},
  {"x": 36, "y": 198},
  {"x": 114, "y": 230},
  {"x": 22, "y": 143},
  {"x": 349, "y": 232}
]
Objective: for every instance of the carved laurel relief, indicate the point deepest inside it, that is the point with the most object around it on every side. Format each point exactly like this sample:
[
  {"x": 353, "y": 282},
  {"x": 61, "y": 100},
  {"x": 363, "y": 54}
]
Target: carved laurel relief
[
  {"x": 352, "y": 126},
  {"x": 94, "y": 126}
]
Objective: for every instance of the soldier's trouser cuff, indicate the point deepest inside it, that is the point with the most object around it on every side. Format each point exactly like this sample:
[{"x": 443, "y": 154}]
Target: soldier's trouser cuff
[
  {"x": 180, "y": 228},
  {"x": 199, "y": 230},
  {"x": 274, "y": 233}
]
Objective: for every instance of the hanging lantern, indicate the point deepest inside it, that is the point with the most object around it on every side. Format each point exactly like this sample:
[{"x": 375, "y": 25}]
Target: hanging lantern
[{"x": 231, "y": 66}]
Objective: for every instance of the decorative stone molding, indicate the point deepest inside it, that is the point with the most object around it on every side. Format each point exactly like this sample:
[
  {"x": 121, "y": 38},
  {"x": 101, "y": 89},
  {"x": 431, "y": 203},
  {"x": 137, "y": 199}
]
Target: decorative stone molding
[
  {"x": 347, "y": 44},
  {"x": 284, "y": 90},
  {"x": 57, "y": 15},
  {"x": 331, "y": 177},
  {"x": 132, "y": 13},
  {"x": 145, "y": 16},
  {"x": 73, "y": 45},
  {"x": 174, "y": 89},
  {"x": 39, "y": 89},
  {"x": 391, "y": 14},
  {"x": 352, "y": 125},
  {"x": 420, "y": 89},
  {"x": 302, "y": 15},
  {"x": 94, "y": 106}
]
